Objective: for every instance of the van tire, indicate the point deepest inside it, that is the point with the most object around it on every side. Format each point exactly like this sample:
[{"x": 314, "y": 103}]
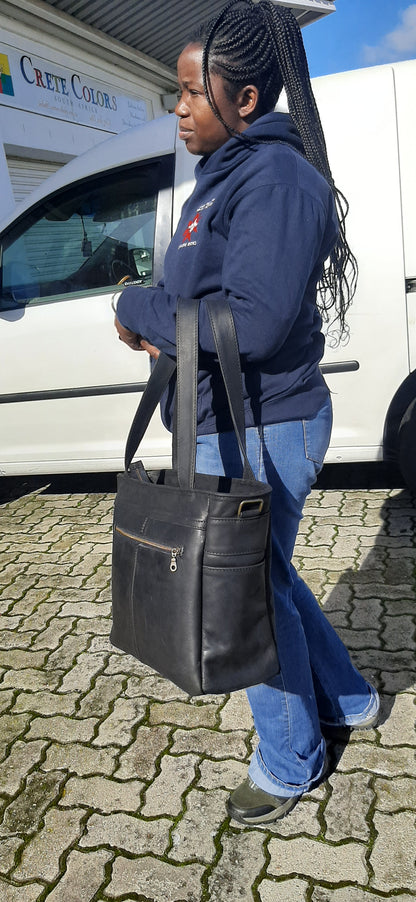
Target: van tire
[{"x": 407, "y": 446}]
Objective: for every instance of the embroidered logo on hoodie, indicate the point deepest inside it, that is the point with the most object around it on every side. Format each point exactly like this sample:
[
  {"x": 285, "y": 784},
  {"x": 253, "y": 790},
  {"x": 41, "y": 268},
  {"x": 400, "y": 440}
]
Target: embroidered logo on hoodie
[{"x": 191, "y": 229}]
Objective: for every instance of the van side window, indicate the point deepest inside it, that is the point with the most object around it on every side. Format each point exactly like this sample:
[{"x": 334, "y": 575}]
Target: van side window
[{"x": 86, "y": 238}]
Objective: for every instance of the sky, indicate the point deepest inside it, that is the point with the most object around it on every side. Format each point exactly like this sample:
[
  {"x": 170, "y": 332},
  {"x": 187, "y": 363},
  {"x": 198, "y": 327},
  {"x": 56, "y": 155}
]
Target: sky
[{"x": 361, "y": 33}]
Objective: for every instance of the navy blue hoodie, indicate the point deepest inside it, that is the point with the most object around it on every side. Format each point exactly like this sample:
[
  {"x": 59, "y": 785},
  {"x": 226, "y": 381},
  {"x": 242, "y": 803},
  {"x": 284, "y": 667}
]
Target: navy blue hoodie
[{"x": 256, "y": 229}]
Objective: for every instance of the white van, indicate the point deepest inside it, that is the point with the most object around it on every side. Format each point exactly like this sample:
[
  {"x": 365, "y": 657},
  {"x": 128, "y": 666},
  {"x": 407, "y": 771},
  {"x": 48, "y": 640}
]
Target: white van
[{"x": 69, "y": 389}]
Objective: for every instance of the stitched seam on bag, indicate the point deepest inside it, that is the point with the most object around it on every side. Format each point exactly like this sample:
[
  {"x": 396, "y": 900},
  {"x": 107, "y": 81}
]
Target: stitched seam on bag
[
  {"x": 235, "y": 519},
  {"x": 234, "y": 553},
  {"x": 227, "y": 569}
]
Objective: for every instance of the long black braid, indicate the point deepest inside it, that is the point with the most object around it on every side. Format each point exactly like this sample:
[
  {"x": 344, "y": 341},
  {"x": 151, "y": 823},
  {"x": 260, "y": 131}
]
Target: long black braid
[{"x": 261, "y": 43}]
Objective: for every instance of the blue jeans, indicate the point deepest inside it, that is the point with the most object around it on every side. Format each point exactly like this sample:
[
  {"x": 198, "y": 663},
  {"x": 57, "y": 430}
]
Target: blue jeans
[{"x": 317, "y": 681}]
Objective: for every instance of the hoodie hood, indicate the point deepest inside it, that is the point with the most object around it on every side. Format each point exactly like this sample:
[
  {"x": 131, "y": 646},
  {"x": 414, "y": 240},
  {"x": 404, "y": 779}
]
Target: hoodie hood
[{"x": 269, "y": 129}]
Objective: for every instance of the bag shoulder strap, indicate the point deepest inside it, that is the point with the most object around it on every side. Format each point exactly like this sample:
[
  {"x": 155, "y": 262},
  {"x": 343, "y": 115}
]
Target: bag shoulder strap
[
  {"x": 185, "y": 420},
  {"x": 157, "y": 383}
]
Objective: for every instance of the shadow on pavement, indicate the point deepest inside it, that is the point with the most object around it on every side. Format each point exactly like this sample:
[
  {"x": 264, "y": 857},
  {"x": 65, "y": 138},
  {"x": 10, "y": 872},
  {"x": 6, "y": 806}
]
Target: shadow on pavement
[{"x": 333, "y": 476}]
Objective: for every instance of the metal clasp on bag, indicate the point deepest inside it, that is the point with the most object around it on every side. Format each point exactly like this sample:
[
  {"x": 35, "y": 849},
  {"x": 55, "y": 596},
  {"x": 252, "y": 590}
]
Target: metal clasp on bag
[{"x": 249, "y": 506}]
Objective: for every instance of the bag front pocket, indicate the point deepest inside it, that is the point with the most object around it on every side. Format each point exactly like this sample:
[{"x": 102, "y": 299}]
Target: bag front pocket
[
  {"x": 162, "y": 604},
  {"x": 238, "y": 629}
]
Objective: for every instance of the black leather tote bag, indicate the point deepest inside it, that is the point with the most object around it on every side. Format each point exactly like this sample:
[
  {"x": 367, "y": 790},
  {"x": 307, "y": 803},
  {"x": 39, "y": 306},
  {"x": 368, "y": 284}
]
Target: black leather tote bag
[{"x": 191, "y": 585}]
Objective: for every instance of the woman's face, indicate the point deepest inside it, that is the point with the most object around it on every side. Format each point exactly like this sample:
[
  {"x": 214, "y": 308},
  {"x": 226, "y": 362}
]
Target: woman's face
[{"x": 199, "y": 127}]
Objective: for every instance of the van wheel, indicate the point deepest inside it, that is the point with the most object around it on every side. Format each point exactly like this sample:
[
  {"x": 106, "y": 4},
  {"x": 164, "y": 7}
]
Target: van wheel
[{"x": 407, "y": 446}]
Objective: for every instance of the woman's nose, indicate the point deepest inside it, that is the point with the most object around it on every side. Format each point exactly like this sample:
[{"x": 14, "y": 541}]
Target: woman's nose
[{"x": 181, "y": 108}]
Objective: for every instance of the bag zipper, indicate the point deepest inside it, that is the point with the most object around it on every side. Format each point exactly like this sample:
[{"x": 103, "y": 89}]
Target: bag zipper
[{"x": 174, "y": 552}]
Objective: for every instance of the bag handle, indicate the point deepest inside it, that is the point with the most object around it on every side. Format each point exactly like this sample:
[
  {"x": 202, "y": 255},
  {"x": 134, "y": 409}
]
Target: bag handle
[
  {"x": 225, "y": 339},
  {"x": 185, "y": 422}
]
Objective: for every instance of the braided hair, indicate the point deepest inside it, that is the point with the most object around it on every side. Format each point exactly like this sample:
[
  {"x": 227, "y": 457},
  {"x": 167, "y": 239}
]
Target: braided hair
[{"x": 260, "y": 43}]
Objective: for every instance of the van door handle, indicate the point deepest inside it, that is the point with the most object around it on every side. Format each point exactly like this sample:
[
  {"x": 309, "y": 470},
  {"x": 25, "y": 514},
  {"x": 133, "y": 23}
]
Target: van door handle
[{"x": 410, "y": 285}]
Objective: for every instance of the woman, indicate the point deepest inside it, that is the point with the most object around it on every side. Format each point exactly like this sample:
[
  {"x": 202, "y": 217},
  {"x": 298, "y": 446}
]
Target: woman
[{"x": 261, "y": 222}]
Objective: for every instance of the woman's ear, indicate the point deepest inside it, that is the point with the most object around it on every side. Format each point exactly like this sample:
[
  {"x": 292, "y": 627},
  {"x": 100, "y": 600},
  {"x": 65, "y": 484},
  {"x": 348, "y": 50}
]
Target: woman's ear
[{"x": 248, "y": 101}]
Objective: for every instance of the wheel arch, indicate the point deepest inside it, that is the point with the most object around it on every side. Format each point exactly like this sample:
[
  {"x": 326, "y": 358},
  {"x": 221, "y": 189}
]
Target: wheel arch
[{"x": 405, "y": 394}]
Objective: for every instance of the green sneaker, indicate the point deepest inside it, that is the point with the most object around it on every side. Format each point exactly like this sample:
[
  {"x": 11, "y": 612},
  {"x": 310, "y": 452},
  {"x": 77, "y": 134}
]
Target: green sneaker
[{"x": 249, "y": 804}]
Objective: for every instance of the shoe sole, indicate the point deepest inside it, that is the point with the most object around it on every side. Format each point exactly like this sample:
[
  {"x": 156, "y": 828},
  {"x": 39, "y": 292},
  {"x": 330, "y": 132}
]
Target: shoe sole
[{"x": 275, "y": 815}]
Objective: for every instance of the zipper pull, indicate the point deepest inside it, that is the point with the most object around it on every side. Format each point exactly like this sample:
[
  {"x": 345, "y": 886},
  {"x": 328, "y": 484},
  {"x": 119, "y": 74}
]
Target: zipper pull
[{"x": 173, "y": 562}]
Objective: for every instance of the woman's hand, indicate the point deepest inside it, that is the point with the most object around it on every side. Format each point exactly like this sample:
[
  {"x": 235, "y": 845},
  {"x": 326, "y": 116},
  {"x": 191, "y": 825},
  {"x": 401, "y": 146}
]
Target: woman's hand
[{"x": 134, "y": 341}]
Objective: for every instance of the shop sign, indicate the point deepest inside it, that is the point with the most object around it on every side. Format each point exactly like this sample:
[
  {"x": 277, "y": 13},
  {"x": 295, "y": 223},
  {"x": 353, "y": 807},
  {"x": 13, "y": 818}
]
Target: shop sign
[{"x": 28, "y": 82}]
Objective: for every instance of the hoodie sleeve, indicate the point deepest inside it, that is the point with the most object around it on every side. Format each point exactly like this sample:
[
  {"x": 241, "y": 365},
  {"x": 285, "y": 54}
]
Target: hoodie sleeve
[{"x": 278, "y": 237}]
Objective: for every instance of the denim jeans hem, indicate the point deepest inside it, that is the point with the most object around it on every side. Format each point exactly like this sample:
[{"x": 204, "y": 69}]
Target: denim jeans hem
[
  {"x": 268, "y": 782},
  {"x": 354, "y": 720}
]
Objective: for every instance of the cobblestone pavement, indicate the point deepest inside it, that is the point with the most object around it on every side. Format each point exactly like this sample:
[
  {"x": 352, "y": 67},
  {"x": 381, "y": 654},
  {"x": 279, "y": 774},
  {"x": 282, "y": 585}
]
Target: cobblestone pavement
[{"x": 113, "y": 782}]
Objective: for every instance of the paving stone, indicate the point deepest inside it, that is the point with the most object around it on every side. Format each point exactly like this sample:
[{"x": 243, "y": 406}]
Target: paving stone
[
  {"x": 10, "y": 622},
  {"x": 85, "y": 609},
  {"x": 366, "y": 611},
  {"x": 383, "y": 660},
  {"x": 236, "y": 713},
  {"x": 303, "y": 820},
  {"x": 193, "y": 837},
  {"x": 99, "y": 644},
  {"x": 85, "y": 874},
  {"x": 241, "y": 861},
  {"x": 398, "y": 632},
  {"x": 393, "y": 795},
  {"x": 154, "y": 686},
  {"x": 155, "y": 880},
  {"x": 45, "y": 702},
  {"x": 83, "y": 760},
  {"x": 355, "y": 639},
  {"x": 311, "y": 858},
  {"x": 10, "y": 639},
  {"x": 18, "y": 658},
  {"x": 183, "y": 714},
  {"x": 50, "y": 637},
  {"x": 32, "y": 679},
  {"x": 8, "y": 848},
  {"x": 6, "y": 699},
  {"x": 98, "y": 700},
  {"x": 221, "y": 774},
  {"x": 24, "y": 812},
  {"x": 210, "y": 742},
  {"x": 11, "y": 893},
  {"x": 41, "y": 856},
  {"x": 62, "y": 729},
  {"x": 80, "y": 676},
  {"x": 394, "y": 683},
  {"x": 94, "y": 625},
  {"x": 102, "y": 794},
  {"x": 23, "y": 756},
  {"x": 394, "y": 871},
  {"x": 11, "y": 726},
  {"x": 164, "y": 796},
  {"x": 387, "y": 762},
  {"x": 139, "y": 760},
  {"x": 353, "y": 894},
  {"x": 118, "y": 726},
  {"x": 284, "y": 891},
  {"x": 131, "y": 834},
  {"x": 347, "y": 808},
  {"x": 64, "y": 656},
  {"x": 399, "y": 728},
  {"x": 45, "y": 613}
]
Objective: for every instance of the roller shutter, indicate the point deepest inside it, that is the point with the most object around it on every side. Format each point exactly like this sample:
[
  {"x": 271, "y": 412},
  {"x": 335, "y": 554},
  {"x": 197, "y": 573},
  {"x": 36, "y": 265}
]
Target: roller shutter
[{"x": 26, "y": 175}]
